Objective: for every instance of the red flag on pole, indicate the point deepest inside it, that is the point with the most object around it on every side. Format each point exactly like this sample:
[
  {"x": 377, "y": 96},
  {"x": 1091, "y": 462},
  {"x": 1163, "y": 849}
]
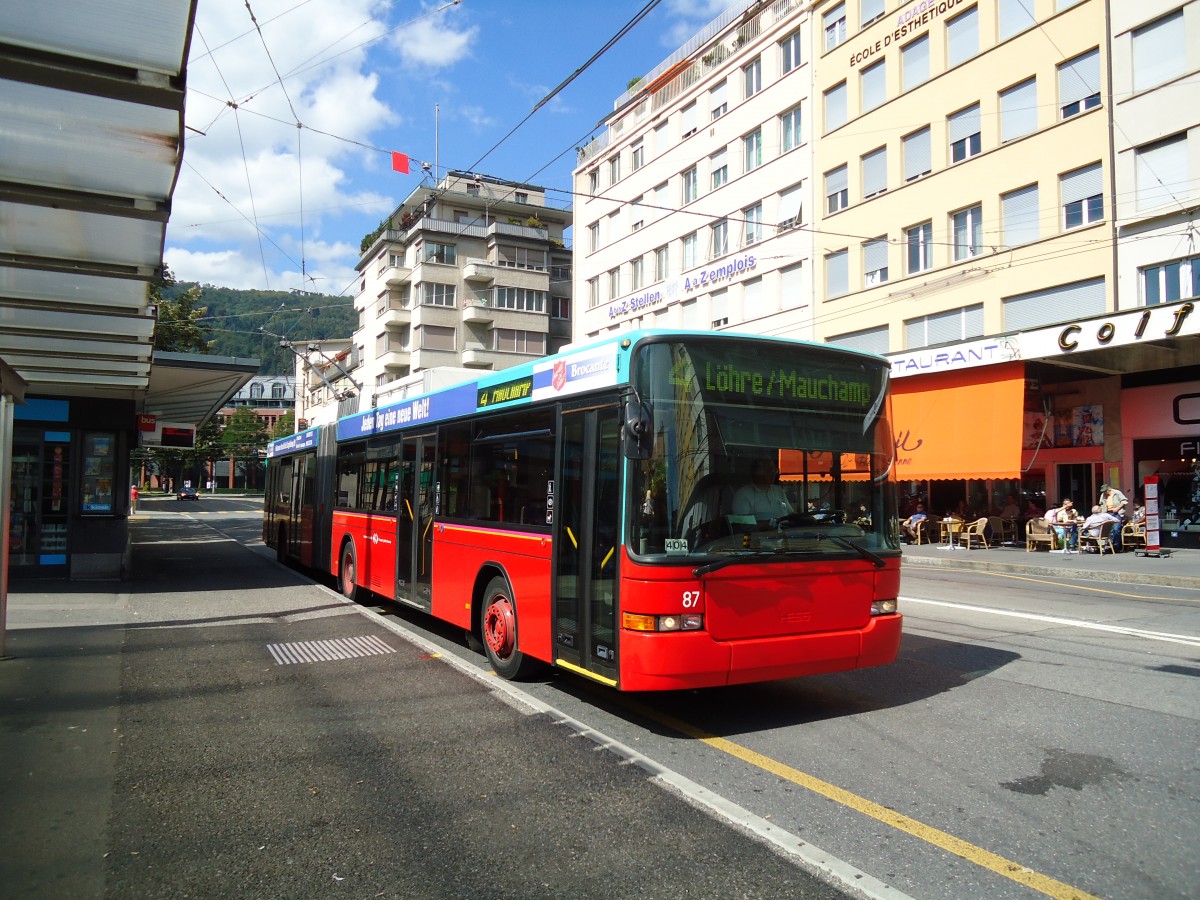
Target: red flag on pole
[{"x": 399, "y": 162}]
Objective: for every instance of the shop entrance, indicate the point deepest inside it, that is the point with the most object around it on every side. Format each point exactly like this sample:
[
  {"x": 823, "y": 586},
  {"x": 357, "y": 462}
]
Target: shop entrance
[{"x": 1076, "y": 481}]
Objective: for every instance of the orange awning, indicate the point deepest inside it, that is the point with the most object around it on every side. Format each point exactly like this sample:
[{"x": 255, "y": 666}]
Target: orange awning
[
  {"x": 854, "y": 466},
  {"x": 963, "y": 424}
]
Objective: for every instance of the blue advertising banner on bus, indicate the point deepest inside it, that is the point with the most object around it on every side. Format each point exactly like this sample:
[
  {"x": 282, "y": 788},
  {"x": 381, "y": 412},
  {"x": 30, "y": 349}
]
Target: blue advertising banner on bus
[{"x": 305, "y": 440}]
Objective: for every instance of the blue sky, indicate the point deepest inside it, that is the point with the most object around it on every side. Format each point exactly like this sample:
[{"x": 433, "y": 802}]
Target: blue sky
[{"x": 263, "y": 204}]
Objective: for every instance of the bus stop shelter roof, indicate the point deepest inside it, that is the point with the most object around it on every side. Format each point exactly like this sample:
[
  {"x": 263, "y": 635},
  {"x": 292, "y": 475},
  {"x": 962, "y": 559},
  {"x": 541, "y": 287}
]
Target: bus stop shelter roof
[{"x": 92, "y": 98}]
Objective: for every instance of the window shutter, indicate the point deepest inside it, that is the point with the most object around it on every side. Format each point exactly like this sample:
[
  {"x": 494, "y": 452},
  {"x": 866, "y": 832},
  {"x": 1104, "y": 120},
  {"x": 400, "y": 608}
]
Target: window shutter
[
  {"x": 1015, "y": 17},
  {"x": 836, "y": 181},
  {"x": 1159, "y": 51},
  {"x": 789, "y": 206},
  {"x": 718, "y": 95},
  {"x": 917, "y": 154},
  {"x": 964, "y": 123},
  {"x": 1021, "y": 216},
  {"x": 874, "y": 172},
  {"x": 1068, "y": 302},
  {"x": 835, "y": 107},
  {"x": 962, "y": 37},
  {"x": 874, "y": 86},
  {"x": 1081, "y": 184},
  {"x": 1079, "y": 78},
  {"x": 872, "y": 340},
  {"x": 875, "y": 255},
  {"x": 914, "y": 59},
  {"x": 1162, "y": 172},
  {"x": 837, "y": 273},
  {"x": 1018, "y": 110}
]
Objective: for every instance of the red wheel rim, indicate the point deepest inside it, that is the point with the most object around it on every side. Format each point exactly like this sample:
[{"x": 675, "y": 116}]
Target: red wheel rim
[
  {"x": 500, "y": 627},
  {"x": 348, "y": 574}
]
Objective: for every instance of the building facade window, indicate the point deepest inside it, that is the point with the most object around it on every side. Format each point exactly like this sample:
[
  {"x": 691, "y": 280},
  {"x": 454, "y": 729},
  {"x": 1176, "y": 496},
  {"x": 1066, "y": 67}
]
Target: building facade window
[
  {"x": 914, "y": 63},
  {"x": 837, "y": 192},
  {"x": 1159, "y": 51},
  {"x": 752, "y": 215},
  {"x": 962, "y": 37},
  {"x": 438, "y": 337},
  {"x": 1171, "y": 281},
  {"x": 752, "y": 150},
  {"x": 514, "y": 340},
  {"x": 441, "y": 253},
  {"x": 1062, "y": 303},
  {"x": 523, "y": 299},
  {"x": 752, "y": 77},
  {"x": 875, "y": 261},
  {"x": 790, "y": 134},
  {"x": 691, "y": 185},
  {"x": 1018, "y": 110},
  {"x": 869, "y": 340},
  {"x": 433, "y": 294},
  {"x": 662, "y": 266},
  {"x": 834, "y": 25},
  {"x": 718, "y": 99},
  {"x": 1161, "y": 171},
  {"x": 966, "y": 227},
  {"x": 837, "y": 274},
  {"x": 1082, "y": 196},
  {"x": 1014, "y": 17},
  {"x": 614, "y": 169},
  {"x": 720, "y": 238},
  {"x": 719, "y": 308},
  {"x": 835, "y": 107},
  {"x": 869, "y": 11},
  {"x": 636, "y": 276},
  {"x": 637, "y": 156},
  {"x": 560, "y": 307},
  {"x": 593, "y": 237},
  {"x": 791, "y": 212},
  {"x": 965, "y": 138},
  {"x": 1079, "y": 84},
  {"x": 873, "y": 86},
  {"x": 918, "y": 240},
  {"x": 594, "y": 182},
  {"x": 593, "y": 292},
  {"x": 874, "y": 172},
  {"x": 789, "y": 52},
  {"x": 687, "y": 120},
  {"x": 690, "y": 257},
  {"x": 1020, "y": 213},
  {"x": 718, "y": 165},
  {"x": 945, "y": 327},
  {"x": 918, "y": 154},
  {"x": 614, "y": 283}
]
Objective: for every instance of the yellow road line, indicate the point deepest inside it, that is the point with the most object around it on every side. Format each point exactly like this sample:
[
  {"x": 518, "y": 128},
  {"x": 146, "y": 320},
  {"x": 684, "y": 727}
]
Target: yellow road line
[
  {"x": 1015, "y": 871},
  {"x": 1074, "y": 587}
]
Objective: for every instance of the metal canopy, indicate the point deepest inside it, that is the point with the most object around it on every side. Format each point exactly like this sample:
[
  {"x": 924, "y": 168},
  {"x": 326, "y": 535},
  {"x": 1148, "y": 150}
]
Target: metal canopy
[{"x": 91, "y": 97}]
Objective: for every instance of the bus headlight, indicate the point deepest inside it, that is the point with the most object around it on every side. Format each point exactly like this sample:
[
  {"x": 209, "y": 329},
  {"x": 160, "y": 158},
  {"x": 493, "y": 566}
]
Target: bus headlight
[
  {"x": 883, "y": 607},
  {"x": 684, "y": 622}
]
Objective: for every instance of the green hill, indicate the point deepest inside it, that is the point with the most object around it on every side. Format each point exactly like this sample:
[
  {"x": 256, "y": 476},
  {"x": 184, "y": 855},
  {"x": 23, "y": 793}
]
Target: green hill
[{"x": 245, "y": 323}]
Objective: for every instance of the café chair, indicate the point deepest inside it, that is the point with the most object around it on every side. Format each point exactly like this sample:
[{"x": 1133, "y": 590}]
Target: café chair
[
  {"x": 1133, "y": 535},
  {"x": 975, "y": 533},
  {"x": 1099, "y": 541},
  {"x": 1038, "y": 532},
  {"x": 1001, "y": 529}
]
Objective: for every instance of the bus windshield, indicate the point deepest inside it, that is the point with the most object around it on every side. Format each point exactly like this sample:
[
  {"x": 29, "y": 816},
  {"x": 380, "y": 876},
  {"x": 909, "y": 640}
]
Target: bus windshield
[{"x": 762, "y": 449}]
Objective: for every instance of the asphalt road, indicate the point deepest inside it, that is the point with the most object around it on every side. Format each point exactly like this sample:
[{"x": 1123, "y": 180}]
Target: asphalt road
[{"x": 1036, "y": 737}]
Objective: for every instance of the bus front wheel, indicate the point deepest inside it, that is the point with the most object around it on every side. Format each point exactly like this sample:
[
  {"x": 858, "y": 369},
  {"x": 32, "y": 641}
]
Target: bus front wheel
[
  {"x": 499, "y": 627},
  {"x": 348, "y": 573}
]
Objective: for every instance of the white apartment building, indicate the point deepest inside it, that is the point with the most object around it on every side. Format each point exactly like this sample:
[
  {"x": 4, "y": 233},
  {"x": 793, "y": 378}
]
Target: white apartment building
[
  {"x": 472, "y": 273},
  {"x": 689, "y": 204}
]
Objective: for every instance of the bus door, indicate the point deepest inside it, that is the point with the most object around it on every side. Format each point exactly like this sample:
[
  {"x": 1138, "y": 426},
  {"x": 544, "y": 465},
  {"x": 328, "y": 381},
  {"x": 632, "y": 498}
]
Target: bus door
[
  {"x": 587, "y": 540},
  {"x": 300, "y": 528},
  {"x": 414, "y": 520}
]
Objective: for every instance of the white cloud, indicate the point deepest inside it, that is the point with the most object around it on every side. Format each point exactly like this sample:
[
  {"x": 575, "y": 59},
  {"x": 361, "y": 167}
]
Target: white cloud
[{"x": 430, "y": 41}]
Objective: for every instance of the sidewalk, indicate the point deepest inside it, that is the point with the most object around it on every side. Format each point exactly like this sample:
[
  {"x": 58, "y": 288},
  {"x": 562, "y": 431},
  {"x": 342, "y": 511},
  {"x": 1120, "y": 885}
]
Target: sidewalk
[
  {"x": 1180, "y": 569},
  {"x": 154, "y": 746}
]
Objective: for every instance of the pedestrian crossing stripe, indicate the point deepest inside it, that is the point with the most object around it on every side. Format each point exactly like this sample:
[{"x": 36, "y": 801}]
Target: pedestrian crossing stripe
[{"x": 327, "y": 651}]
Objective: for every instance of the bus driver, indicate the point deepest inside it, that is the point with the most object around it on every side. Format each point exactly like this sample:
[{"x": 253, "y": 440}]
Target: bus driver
[{"x": 762, "y": 498}]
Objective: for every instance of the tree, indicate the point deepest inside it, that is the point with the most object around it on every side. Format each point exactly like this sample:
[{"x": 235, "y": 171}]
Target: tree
[
  {"x": 284, "y": 425},
  {"x": 179, "y": 328},
  {"x": 244, "y": 437}
]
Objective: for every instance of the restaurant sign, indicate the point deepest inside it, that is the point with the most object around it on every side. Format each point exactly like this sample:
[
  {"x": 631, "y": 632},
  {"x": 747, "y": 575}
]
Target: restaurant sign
[{"x": 1151, "y": 323}]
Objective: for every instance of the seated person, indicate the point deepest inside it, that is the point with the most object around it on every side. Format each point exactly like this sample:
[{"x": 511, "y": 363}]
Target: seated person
[
  {"x": 1011, "y": 510},
  {"x": 911, "y": 526},
  {"x": 1139, "y": 516},
  {"x": 1092, "y": 524},
  {"x": 1064, "y": 522},
  {"x": 762, "y": 498}
]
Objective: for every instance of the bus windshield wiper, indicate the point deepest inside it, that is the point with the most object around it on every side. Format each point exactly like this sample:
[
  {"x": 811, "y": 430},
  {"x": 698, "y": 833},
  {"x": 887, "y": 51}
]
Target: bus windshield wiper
[
  {"x": 785, "y": 553},
  {"x": 745, "y": 556},
  {"x": 850, "y": 545}
]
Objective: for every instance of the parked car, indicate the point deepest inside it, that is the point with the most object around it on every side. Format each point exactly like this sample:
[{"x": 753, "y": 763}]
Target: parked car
[{"x": 188, "y": 493}]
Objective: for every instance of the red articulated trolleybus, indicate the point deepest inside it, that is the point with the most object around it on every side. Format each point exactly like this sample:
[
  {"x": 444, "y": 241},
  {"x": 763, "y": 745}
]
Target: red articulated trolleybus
[{"x": 657, "y": 510}]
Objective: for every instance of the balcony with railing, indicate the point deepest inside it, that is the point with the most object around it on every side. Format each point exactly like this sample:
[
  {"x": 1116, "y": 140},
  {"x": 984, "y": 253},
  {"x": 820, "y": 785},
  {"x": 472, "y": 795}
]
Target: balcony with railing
[{"x": 479, "y": 270}]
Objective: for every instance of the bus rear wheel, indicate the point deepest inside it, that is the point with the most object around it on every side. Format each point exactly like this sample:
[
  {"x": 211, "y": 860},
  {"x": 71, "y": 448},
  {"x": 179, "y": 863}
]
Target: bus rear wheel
[
  {"x": 348, "y": 573},
  {"x": 499, "y": 626}
]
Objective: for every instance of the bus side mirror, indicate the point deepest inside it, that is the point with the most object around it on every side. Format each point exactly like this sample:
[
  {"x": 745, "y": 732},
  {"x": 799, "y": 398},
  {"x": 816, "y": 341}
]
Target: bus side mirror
[{"x": 636, "y": 431}]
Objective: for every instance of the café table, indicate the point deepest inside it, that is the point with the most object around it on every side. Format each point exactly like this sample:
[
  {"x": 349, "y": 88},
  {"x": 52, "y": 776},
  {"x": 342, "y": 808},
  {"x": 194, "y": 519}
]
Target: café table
[{"x": 950, "y": 527}]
